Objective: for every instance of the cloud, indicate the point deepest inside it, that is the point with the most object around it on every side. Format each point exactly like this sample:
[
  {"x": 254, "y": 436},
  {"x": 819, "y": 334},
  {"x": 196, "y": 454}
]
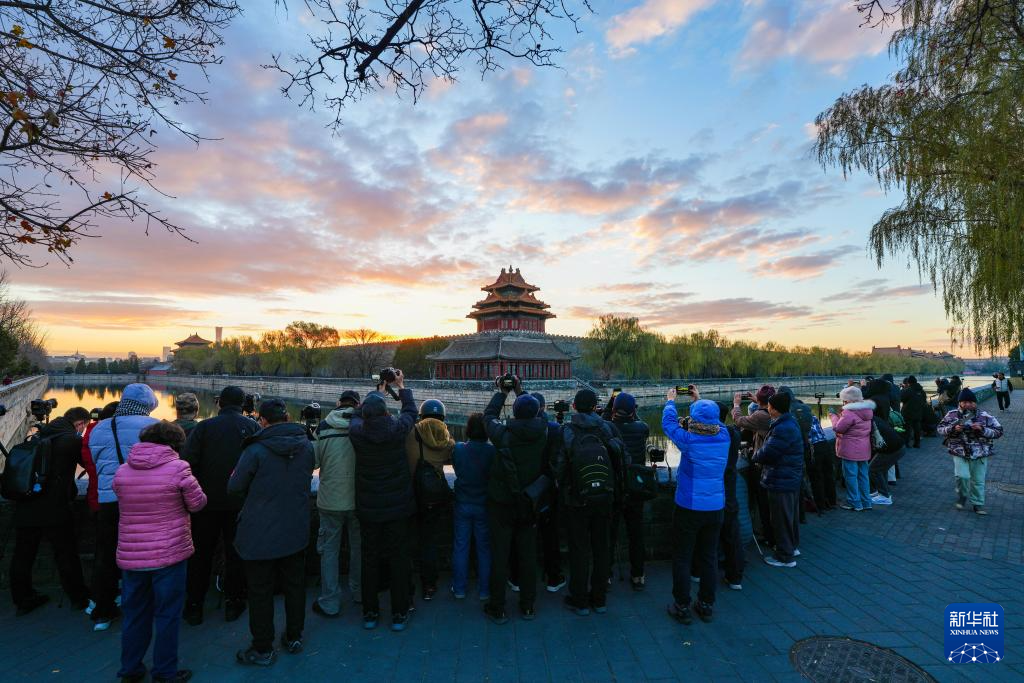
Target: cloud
[
  {"x": 114, "y": 313},
  {"x": 873, "y": 291},
  {"x": 672, "y": 309},
  {"x": 647, "y": 21},
  {"x": 803, "y": 266}
]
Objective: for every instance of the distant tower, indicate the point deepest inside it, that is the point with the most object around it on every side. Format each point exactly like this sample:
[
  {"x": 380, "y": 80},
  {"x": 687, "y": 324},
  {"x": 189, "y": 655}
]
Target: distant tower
[
  {"x": 219, "y": 334},
  {"x": 166, "y": 356}
]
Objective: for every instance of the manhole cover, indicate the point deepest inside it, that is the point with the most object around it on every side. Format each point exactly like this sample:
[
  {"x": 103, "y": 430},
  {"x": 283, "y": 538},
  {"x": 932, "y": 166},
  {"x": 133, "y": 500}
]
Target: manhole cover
[
  {"x": 830, "y": 659},
  {"x": 1011, "y": 488}
]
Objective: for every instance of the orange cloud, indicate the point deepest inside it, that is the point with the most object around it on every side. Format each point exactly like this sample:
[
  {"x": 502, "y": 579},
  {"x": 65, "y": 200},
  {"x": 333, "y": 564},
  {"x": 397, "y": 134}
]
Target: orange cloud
[{"x": 647, "y": 21}]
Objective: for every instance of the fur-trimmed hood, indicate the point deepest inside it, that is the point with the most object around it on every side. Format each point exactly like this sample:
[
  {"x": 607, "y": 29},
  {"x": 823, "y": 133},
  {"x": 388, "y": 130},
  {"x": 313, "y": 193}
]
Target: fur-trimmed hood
[{"x": 862, "y": 405}]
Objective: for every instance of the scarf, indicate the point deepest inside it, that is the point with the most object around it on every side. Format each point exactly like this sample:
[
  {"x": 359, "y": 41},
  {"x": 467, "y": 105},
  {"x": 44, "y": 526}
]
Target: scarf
[
  {"x": 129, "y": 407},
  {"x": 704, "y": 429}
]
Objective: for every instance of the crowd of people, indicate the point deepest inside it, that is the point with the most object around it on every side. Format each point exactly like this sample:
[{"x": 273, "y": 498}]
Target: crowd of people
[{"x": 166, "y": 495}]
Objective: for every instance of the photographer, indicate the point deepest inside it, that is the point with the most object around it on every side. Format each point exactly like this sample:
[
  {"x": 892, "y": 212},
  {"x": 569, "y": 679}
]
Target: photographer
[
  {"x": 110, "y": 441},
  {"x": 335, "y": 457},
  {"x": 186, "y": 406},
  {"x": 913, "y": 406},
  {"x": 429, "y": 439},
  {"x": 588, "y": 469},
  {"x": 48, "y": 515},
  {"x": 698, "y": 512},
  {"x": 385, "y": 502},
  {"x": 758, "y": 423},
  {"x": 521, "y": 444},
  {"x": 634, "y": 432},
  {"x": 782, "y": 460},
  {"x": 969, "y": 435},
  {"x": 212, "y": 450}
]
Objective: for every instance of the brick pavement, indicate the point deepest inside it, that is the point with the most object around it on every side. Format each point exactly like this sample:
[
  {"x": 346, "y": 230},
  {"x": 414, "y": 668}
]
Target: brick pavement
[{"x": 883, "y": 577}]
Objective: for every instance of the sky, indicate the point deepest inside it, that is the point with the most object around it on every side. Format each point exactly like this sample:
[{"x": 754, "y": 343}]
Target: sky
[{"x": 664, "y": 170}]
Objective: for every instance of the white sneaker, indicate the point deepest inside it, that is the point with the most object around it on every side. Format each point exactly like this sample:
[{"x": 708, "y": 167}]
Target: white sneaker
[
  {"x": 513, "y": 587},
  {"x": 768, "y": 559},
  {"x": 90, "y": 608},
  {"x": 796, "y": 552},
  {"x": 736, "y": 586},
  {"x": 881, "y": 500},
  {"x": 102, "y": 625}
]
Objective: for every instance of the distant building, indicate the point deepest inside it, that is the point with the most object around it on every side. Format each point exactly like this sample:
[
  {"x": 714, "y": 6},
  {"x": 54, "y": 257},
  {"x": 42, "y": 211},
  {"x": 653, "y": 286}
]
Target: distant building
[
  {"x": 911, "y": 353},
  {"x": 166, "y": 354},
  {"x": 160, "y": 369},
  {"x": 194, "y": 341},
  {"x": 510, "y": 337}
]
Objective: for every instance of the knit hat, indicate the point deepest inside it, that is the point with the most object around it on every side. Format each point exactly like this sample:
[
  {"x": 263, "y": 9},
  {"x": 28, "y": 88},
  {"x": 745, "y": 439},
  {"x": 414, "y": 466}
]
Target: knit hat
[
  {"x": 186, "y": 405},
  {"x": 625, "y": 404},
  {"x": 349, "y": 396},
  {"x": 764, "y": 393},
  {"x": 137, "y": 399},
  {"x": 851, "y": 394},
  {"x": 231, "y": 396},
  {"x": 526, "y": 407},
  {"x": 967, "y": 395},
  {"x": 373, "y": 406},
  {"x": 273, "y": 410},
  {"x": 780, "y": 402},
  {"x": 540, "y": 399},
  {"x": 585, "y": 401}
]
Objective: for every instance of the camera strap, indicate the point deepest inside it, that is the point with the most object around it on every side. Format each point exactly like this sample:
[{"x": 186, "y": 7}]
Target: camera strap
[{"x": 117, "y": 442}]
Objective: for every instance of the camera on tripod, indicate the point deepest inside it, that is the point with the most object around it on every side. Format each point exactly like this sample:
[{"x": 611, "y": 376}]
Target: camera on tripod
[
  {"x": 41, "y": 408},
  {"x": 311, "y": 414},
  {"x": 655, "y": 455},
  {"x": 249, "y": 403}
]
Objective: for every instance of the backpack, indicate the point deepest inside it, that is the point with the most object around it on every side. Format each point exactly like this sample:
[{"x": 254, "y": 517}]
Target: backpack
[
  {"x": 805, "y": 420},
  {"x": 889, "y": 440},
  {"x": 898, "y": 423},
  {"x": 431, "y": 487},
  {"x": 591, "y": 465},
  {"x": 27, "y": 470}
]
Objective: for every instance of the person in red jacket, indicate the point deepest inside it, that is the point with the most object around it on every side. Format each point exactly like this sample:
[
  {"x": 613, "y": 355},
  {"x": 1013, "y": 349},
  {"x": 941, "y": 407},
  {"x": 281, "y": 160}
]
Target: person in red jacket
[{"x": 156, "y": 492}]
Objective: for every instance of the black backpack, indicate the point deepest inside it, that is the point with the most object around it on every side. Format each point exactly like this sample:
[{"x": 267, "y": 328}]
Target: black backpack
[
  {"x": 28, "y": 468},
  {"x": 892, "y": 438},
  {"x": 593, "y": 478},
  {"x": 432, "y": 488}
]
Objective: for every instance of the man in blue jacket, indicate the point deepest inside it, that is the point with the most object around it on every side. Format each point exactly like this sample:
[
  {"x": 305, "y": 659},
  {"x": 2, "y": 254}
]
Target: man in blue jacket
[
  {"x": 782, "y": 459},
  {"x": 700, "y": 502}
]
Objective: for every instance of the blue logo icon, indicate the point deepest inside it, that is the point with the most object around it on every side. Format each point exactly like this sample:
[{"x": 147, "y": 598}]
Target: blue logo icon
[{"x": 974, "y": 633}]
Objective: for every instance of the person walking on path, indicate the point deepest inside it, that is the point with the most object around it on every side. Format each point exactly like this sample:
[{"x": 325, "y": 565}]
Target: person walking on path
[
  {"x": 472, "y": 459},
  {"x": 213, "y": 449},
  {"x": 782, "y": 459},
  {"x": 109, "y": 443},
  {"x": 1002, "y": 387},
  {"x": 273, "y": 476},
  {"x": 969, "y": 433},
  {"x": 156, "y": 492},
  {"x": 853, "y": 446},
  {"x": 698, "y": 512},
  {"x": 335, "y": 457},
  {"x": 385, "y": 501}
]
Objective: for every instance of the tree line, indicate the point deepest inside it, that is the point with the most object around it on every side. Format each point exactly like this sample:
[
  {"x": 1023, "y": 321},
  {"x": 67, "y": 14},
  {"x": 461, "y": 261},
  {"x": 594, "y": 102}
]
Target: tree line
[
  {"x": 21, "y": 342},
  {"x": 619, "y": 347}
]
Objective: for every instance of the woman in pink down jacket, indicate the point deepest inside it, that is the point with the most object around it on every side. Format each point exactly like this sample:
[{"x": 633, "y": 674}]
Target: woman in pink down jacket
[
  {"x": 853, "y": 445},
  {"x": 156, "y": 491}
]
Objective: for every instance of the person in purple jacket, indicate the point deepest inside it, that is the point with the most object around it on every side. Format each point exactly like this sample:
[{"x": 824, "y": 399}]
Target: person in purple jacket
[{"x": 156, "y": 492}]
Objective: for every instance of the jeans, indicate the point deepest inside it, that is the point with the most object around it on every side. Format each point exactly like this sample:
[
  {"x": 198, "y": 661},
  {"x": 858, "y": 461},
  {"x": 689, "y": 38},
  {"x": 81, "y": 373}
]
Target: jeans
[
  {"x": 262, "y": 576},
  {"x": 695, "y": 541},
  {"x": 150, "y": 597},
  {"x": 105, "y": 572},
  {"x": 428, "y": 528},
  {"x": 506, "y": 533},
  {"x": 589, "y": 539},
  {"x": 328, "y": 544},
  {"x": 633, "y": 514},
  {"x": 471, "y": 524},
  {"x": 970, "y": 478},
  {"x": 1003, "y": 398},
  {"x": 210, "y": 527},
  {"x": 786, "y": 507},
  {"x": 386, "y": 544},
  {"x": 858, "y": 486},
  {"x": 65, "y": 551},
  {"x": 878, "y": 470}
]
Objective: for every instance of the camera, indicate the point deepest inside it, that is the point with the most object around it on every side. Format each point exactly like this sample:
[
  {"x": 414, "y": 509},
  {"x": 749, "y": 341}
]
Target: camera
[
  {"x": 819, "y": 395},
  {"x": 561, "y": 406},
  {"x": 249, "y": 403},
  {"x": 656, "y": 455},
  {"x": 685, "y": 391},
  {"x": 311, "y": 414},
  {"x": 387, "y": 375},
  {"x": 747, "y": 396},
  {"x": 94, "y": 414},
  {"x": 41, "y": 408},
  {"x": 506, "y": 382}
]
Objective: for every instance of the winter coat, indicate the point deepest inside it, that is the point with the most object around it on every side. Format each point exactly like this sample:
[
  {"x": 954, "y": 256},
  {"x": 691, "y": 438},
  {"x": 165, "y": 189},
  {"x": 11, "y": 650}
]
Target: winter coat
[
  {"x": 437, "y": 443},
  {"x": 53, "y": 506},
  {"x": 104, "y": 452},
  {"x": 853, "y": 431},
  {"x": 579, "y": 423},
  {"x": 913, "y": 402},
  {"x": 782, "y": 455},
  {"x": 335, "y": 457},
  {"x": 703, "y": 455},
  {"x": 758, "y": 422},
  {"x": 877, "y": 391},
  {"x": 273, "y": 476},
  {"x": 384, "y": 490},
  {"x": 969, "y": 444},
  {"x": 156, "y": 492},
  {"x": 187, "y": 424},
  {"x": 895, "y": 396},
  {"x": 634, "y": 433},
  {"x": 92, "y": 497},
  {"x": 524, "y": 442},
  {"x": 213, "y": 449},
  {"x": 473, "y": 461}
]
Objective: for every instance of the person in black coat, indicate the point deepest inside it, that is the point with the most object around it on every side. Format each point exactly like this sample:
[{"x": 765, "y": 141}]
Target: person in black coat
[
  {"x": 273, "y": 477},
  {"x": 895, "y": 396},
  {"x": 385, "y": 500},
  {"x": 212, "y": 450},
  {"x": 782, "y": 458},
  {"x": 49, "y": 516},
  {"x": 621, "y": 412},
  {"x": 913, "y": 406}
]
